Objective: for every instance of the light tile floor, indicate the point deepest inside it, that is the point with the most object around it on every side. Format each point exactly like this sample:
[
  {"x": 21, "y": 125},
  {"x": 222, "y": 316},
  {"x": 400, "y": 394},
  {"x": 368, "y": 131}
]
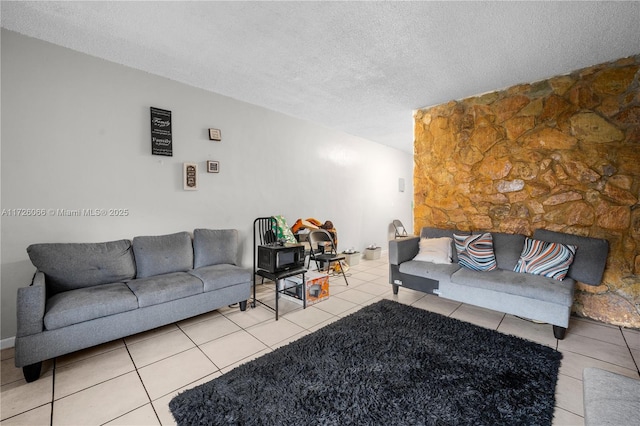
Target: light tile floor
[{"x": 132, "y": 380}]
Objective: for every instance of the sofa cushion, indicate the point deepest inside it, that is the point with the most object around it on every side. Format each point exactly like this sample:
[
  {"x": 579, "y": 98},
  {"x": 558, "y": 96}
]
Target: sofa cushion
[
  {"x": 84, "y": 304},
  {"x": 436, "y": 250},
  {"x": 476, "y": 251},
  {"x": 591, "y": 256},
  {"x": 69, "y": 266},
  {"x": 428, "y": 232},
  {"x": 507, "y": 248},
  {"x": 163, "y": 254},
  {"x": 551, "y": 260},
  {"x": 165, "y": 288},
  {"x": 214, "y": 246},
  {"x": 434, "y": 271},
  {"x": 220, "y": 276},
  {"x": 526, "y": 285}
]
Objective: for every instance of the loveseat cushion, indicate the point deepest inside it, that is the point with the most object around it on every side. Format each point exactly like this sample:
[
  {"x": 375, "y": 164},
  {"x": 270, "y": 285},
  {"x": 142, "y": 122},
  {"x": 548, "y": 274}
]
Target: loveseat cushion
[
  {"x": 164, "y": 288},
  {"x": 434, "y": 271},
  {"x": 163, "y": 254},
  {"x": 214, "y": 247},
  {"x": 70, "y": 266},
  {"x": 220, "y": 276},
  {"x": 526, "y": 285},
  {"x": 84, "y": 304}
]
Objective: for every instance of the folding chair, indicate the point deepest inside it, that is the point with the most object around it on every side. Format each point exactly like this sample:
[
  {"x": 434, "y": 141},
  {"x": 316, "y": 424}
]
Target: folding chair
[
  {"x": 330, "y": 255},
  {"x": 401, "y": 231}
]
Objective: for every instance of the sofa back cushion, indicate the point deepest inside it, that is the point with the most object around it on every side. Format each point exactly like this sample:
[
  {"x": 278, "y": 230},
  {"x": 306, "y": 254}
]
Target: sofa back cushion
[
  {"x": 162, "y": 254},
  {"x": 69, "y": 266},
  {"x": 590, "y": 258},
  {"x": 215, "y": 247},
  {"x": 507, "y": 248}
]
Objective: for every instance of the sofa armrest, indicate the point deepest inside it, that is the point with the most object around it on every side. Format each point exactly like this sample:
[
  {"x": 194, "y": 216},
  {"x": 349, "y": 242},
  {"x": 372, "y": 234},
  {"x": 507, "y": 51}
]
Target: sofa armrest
[
  {"x": 31, "y": 306},
  {"x": 403, "y": 249}
]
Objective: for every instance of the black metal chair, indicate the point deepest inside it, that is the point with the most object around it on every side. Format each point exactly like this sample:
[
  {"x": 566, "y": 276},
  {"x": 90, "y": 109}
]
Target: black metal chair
[
  {"x": 329, "y": 255},
  {"x": 264, "y": 234},
  {"x": 401, "y": 231}
]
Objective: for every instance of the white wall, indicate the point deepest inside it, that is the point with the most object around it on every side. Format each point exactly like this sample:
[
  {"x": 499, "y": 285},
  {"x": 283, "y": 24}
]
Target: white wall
[{"x": 76, "y": 135}]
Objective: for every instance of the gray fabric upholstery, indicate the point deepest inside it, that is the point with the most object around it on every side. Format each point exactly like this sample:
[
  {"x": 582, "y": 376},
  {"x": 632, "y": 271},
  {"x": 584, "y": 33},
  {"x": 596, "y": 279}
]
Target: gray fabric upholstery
[
  {"x": 216, "y": 277},
  {"x": 69, "y": 266},
  {"x": 52, "y": 343},
  {"x": 531, "y": 296},
  {"x": 589, "y": 263},
  {"x": 31, "y": 305},
  {"x": 610, "y": 399},
  {"x": 162, "y": 254},
  {"x": 507, "y": 248},
  {"x": 214, "y": 247},
  {"x": 527, "y": 285},
  {"x": 428, "y": 232},
  {"x": 84, "y": 304},
  {"x": 90, "y": 315},
  {"x": 535, "y": 309},
  {"x": 403, "y": 249},
  {"x": 434, "y": 271},
  {"x": 165, "y": 288}
]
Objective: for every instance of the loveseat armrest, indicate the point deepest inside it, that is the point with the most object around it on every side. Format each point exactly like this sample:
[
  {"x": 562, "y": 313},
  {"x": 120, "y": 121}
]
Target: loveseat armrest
[
  {"x": 403, "y": 249},
  {"x": 31, "y": 306}
]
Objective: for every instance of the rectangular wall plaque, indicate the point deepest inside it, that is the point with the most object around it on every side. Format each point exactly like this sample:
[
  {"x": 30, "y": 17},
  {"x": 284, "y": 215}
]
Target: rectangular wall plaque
[
  {"x": 190, "y": 176},
  {"x": 215, "y": 135},
  {"x": 161, "y": 137},
  {"x": 213, "y": 166}
]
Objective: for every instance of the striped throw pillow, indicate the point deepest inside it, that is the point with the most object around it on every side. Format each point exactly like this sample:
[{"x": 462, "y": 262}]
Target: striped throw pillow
[
  {"x": 476, "y": 251},
  {"x": 551, "y": 260}
]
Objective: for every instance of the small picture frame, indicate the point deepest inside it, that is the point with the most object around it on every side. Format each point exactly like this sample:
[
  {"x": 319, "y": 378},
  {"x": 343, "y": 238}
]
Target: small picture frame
[
  {"x": 215, "y": 135},
  {"x": 190, "y": 176},
  {"x": 213, "y": 167}
]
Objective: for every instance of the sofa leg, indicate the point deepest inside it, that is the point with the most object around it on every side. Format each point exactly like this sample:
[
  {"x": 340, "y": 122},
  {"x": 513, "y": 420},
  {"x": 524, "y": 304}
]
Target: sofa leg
[
  {"x": 559, "y": 332},
  {"x": 395, "y": 288},
  {"x": 32, "y": 372},
  {"x": 243, "y": 305}
]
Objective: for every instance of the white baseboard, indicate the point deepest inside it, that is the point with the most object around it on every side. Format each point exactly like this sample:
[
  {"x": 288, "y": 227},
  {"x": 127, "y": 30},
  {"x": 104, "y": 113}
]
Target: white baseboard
[{"x": 9, "y": 342}]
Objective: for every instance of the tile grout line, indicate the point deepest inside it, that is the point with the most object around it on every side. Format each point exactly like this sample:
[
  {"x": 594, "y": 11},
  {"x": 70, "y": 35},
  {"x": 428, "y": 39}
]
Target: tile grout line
[
  {"x": 635, "y": 362},
  {"x": 143, "y": 387}
]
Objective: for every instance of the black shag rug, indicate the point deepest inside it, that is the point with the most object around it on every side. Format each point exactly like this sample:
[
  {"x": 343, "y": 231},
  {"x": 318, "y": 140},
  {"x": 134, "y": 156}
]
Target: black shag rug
[{"x": 387, "y": 364}]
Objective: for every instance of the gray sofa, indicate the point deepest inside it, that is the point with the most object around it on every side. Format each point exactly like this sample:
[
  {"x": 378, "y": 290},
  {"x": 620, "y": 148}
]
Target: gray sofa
[
  {"x": 87, "y": 294},
  {"x": 531, "y": 296}
]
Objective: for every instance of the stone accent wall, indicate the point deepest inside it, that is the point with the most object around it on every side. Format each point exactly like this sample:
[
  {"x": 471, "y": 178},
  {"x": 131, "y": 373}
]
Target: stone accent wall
[{"x": 560, "y": 154}]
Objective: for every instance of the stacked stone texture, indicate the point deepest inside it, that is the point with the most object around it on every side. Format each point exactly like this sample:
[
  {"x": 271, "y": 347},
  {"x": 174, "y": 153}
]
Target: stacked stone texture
[{"x": 560, "y": 154}]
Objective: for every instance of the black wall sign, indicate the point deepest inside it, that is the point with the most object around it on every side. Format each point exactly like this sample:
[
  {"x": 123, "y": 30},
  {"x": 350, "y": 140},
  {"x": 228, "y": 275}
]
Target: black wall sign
[{"x": 161, "y": 139}]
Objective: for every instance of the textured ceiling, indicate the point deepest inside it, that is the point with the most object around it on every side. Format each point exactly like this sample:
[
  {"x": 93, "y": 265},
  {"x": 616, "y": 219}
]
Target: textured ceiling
[{"x": 361, "y": 67}]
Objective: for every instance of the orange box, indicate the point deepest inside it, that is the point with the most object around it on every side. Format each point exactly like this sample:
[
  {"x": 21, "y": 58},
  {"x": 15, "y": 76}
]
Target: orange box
[{"x": 317, "y": 287}]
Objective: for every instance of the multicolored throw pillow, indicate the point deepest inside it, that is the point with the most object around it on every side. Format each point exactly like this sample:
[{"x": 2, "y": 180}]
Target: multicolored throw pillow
[
  {"x": 551, "y": 260},
  {"x": 476, "y": 251}
]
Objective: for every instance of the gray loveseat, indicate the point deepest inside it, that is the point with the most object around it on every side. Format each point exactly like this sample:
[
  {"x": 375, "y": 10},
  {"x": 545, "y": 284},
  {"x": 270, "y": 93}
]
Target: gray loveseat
[
  {"x": 531, "y": 296},
  {"x": 85, "y": 294}
]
